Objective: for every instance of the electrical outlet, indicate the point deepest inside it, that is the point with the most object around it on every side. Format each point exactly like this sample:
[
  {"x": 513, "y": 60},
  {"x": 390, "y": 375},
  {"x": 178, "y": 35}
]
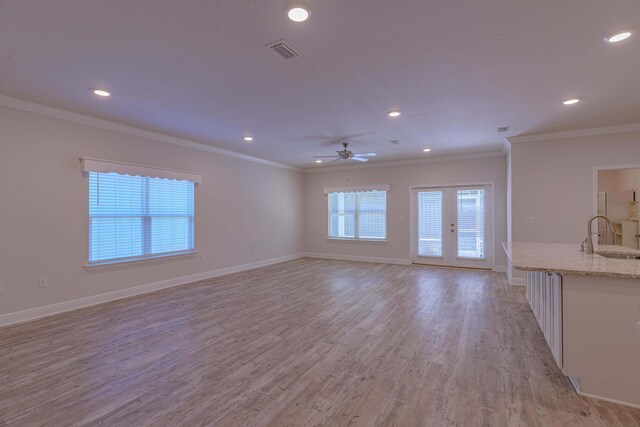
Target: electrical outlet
[
  {"x": 638, "y": 327},
  {"x": 43, "y": 282},
  {"x": 529, "y": 220}
]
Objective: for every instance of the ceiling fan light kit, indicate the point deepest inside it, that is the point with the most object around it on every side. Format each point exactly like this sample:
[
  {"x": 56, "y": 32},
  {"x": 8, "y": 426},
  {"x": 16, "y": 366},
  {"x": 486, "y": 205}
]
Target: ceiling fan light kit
[{"x": 346, "y": 154}]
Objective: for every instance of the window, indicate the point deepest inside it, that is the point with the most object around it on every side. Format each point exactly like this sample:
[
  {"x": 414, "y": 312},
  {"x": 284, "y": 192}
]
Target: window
[
  {"x": 358, "y": 215},
  {"x": 133, "y": 217}
]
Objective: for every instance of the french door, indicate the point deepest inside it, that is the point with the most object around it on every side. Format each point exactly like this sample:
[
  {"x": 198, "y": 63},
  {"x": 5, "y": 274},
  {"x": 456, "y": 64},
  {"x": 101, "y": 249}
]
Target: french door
[{"x": 452, "y": 226}]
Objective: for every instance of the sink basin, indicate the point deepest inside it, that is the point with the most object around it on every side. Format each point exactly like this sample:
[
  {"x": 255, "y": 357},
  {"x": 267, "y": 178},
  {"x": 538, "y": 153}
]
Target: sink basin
[{"x": 620, "y": 256}]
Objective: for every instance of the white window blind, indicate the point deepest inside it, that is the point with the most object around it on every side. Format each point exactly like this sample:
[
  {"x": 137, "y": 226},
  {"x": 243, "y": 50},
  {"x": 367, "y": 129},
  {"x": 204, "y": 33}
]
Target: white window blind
[
  {"x": 132, "y": 217},
  {"x": 430, "y": 223},
  {"x": 358, "y": 215},
  {"x": 471, "y": 223}
]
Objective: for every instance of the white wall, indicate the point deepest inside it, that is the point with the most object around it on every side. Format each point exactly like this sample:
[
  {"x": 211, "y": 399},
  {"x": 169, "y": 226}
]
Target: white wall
[
  {"x": 607, "y": 180},
  {"x": 553, "y": 180},
  {"x": 401, "y": 178},
  {"x": 628, "y": 179},
  {"x": 619, "y": 179},
  {"x": 245, "y": 212}
]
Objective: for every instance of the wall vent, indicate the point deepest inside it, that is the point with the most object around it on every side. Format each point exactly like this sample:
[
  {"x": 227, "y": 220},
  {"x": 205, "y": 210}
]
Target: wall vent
[
  {"x": 503, "y": 129},
  {"x": 282, "y": 49}
]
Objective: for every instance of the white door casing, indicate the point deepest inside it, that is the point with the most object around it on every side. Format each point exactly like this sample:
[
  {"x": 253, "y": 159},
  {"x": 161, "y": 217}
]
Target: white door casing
[{"x": 461, "y": 234}]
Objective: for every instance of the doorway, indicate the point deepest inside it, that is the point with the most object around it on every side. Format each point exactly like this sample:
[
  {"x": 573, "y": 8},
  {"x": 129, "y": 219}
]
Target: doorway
[{"x": 452, "y": 226}]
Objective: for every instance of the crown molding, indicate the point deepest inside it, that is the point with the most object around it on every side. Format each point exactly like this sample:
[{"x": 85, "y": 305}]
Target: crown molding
[
  {"x": 632, "y": 127},
  {"x": 451, "y": 158},
  {"x": 32, "y": 107}
]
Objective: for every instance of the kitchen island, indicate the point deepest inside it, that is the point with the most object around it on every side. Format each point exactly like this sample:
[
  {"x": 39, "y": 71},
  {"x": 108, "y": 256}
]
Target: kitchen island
[{"x": 588, "y": 308}]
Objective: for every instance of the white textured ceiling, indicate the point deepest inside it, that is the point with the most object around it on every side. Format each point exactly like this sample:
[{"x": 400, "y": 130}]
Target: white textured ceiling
[{"x": 457, "y": 69}]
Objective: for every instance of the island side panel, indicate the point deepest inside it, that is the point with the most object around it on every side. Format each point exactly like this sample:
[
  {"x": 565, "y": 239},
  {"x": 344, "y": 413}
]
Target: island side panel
[{"x": 601, "y": 336}]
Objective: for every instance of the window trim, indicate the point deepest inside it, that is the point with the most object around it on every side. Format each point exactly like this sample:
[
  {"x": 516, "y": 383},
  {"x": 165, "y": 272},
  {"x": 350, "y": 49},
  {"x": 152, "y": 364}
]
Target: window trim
[
  {"x": 351, "y": 239},
  {"x": 356, "y": 215},
  {"x": 356, "y": 189},
  {"x": 139, "y": 260},
  {"x": 91, "y": 164}
]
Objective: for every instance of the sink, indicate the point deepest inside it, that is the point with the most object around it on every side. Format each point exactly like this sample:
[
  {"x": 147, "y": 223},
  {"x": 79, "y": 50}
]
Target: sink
[{"x": 619, "y": 256}]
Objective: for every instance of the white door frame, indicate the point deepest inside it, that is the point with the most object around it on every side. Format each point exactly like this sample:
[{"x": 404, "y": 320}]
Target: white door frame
[{"x": 490, "y": 202}]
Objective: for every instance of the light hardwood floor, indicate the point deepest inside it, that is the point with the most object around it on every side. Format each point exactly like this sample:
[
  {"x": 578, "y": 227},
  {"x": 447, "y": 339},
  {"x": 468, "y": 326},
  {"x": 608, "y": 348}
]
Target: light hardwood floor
[{"x": 306, "y": 342}]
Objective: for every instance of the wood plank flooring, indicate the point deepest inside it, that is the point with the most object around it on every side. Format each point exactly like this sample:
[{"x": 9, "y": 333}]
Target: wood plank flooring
[{"x": 302, "y": 343}]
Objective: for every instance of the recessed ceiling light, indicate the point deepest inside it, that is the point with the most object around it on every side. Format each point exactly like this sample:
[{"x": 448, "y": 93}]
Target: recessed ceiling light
[
  {"x": 426, "y": 150},
  {"x": 618, "y": 37},
  {"x": 298, "y": 13},
  {"x": 318, "y": 161},
  {"x": 571, "y": 101},
  {"x": 248, "y": 138},
  {"x": 101, "y": 92},
  {"x": 394, "y": 113}
]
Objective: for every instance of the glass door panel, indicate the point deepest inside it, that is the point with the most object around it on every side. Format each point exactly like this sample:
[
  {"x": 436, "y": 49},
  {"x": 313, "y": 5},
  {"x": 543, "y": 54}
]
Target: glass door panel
[
  {"x": 430, "y": 209},
  {"x": 471, "y": 223}
]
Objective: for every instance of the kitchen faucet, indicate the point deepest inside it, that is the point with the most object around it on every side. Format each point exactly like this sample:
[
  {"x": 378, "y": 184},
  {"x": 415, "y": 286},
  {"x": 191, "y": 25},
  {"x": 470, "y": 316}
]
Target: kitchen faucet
[{"x": 589, "y": 240}]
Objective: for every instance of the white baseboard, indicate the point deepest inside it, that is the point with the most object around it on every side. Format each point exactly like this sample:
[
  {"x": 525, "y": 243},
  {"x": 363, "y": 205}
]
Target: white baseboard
[
  {"x": 515, "y": 281},
  {"x": 400, "y": 261},
  {"x": 577, "y": 386},
  {"x": 606, "y": 399},
  {"x": 48, "y": 310},
  {"x": 575, "y": 382}
]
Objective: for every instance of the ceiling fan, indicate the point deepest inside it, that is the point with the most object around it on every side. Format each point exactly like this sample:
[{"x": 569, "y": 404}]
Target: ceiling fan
[{"x": 346, "y": 155}]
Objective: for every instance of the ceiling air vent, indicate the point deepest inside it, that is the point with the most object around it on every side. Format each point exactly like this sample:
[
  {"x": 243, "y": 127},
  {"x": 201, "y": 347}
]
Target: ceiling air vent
[
  {"x": 283, "y": 49},
  {"x": 503, "y": 129}
]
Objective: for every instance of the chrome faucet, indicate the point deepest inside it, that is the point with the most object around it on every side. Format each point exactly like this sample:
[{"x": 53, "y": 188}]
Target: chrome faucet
[{"x": 590, "y": 234}]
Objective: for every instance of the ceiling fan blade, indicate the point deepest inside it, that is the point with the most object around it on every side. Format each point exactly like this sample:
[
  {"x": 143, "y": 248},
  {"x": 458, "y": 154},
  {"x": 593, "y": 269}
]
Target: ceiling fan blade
[
  {"x": 365, "y": 154},
  {"x": 333, "y": 161},
  {"x": 322, "y": 157},
  {"x": 360, "y": 159}
]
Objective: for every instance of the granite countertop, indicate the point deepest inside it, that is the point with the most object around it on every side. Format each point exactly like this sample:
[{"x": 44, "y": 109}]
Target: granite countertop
[{"x": 567, "y": 259}]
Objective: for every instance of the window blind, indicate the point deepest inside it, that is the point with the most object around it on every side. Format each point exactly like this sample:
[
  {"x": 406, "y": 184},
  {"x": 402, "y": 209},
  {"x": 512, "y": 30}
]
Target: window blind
[
  {"x": 358, "y": 215},
  {"x": 471, "y": 223},
  {"x": 133, "y": 217},
  {"x": 430, "y": 223}
]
